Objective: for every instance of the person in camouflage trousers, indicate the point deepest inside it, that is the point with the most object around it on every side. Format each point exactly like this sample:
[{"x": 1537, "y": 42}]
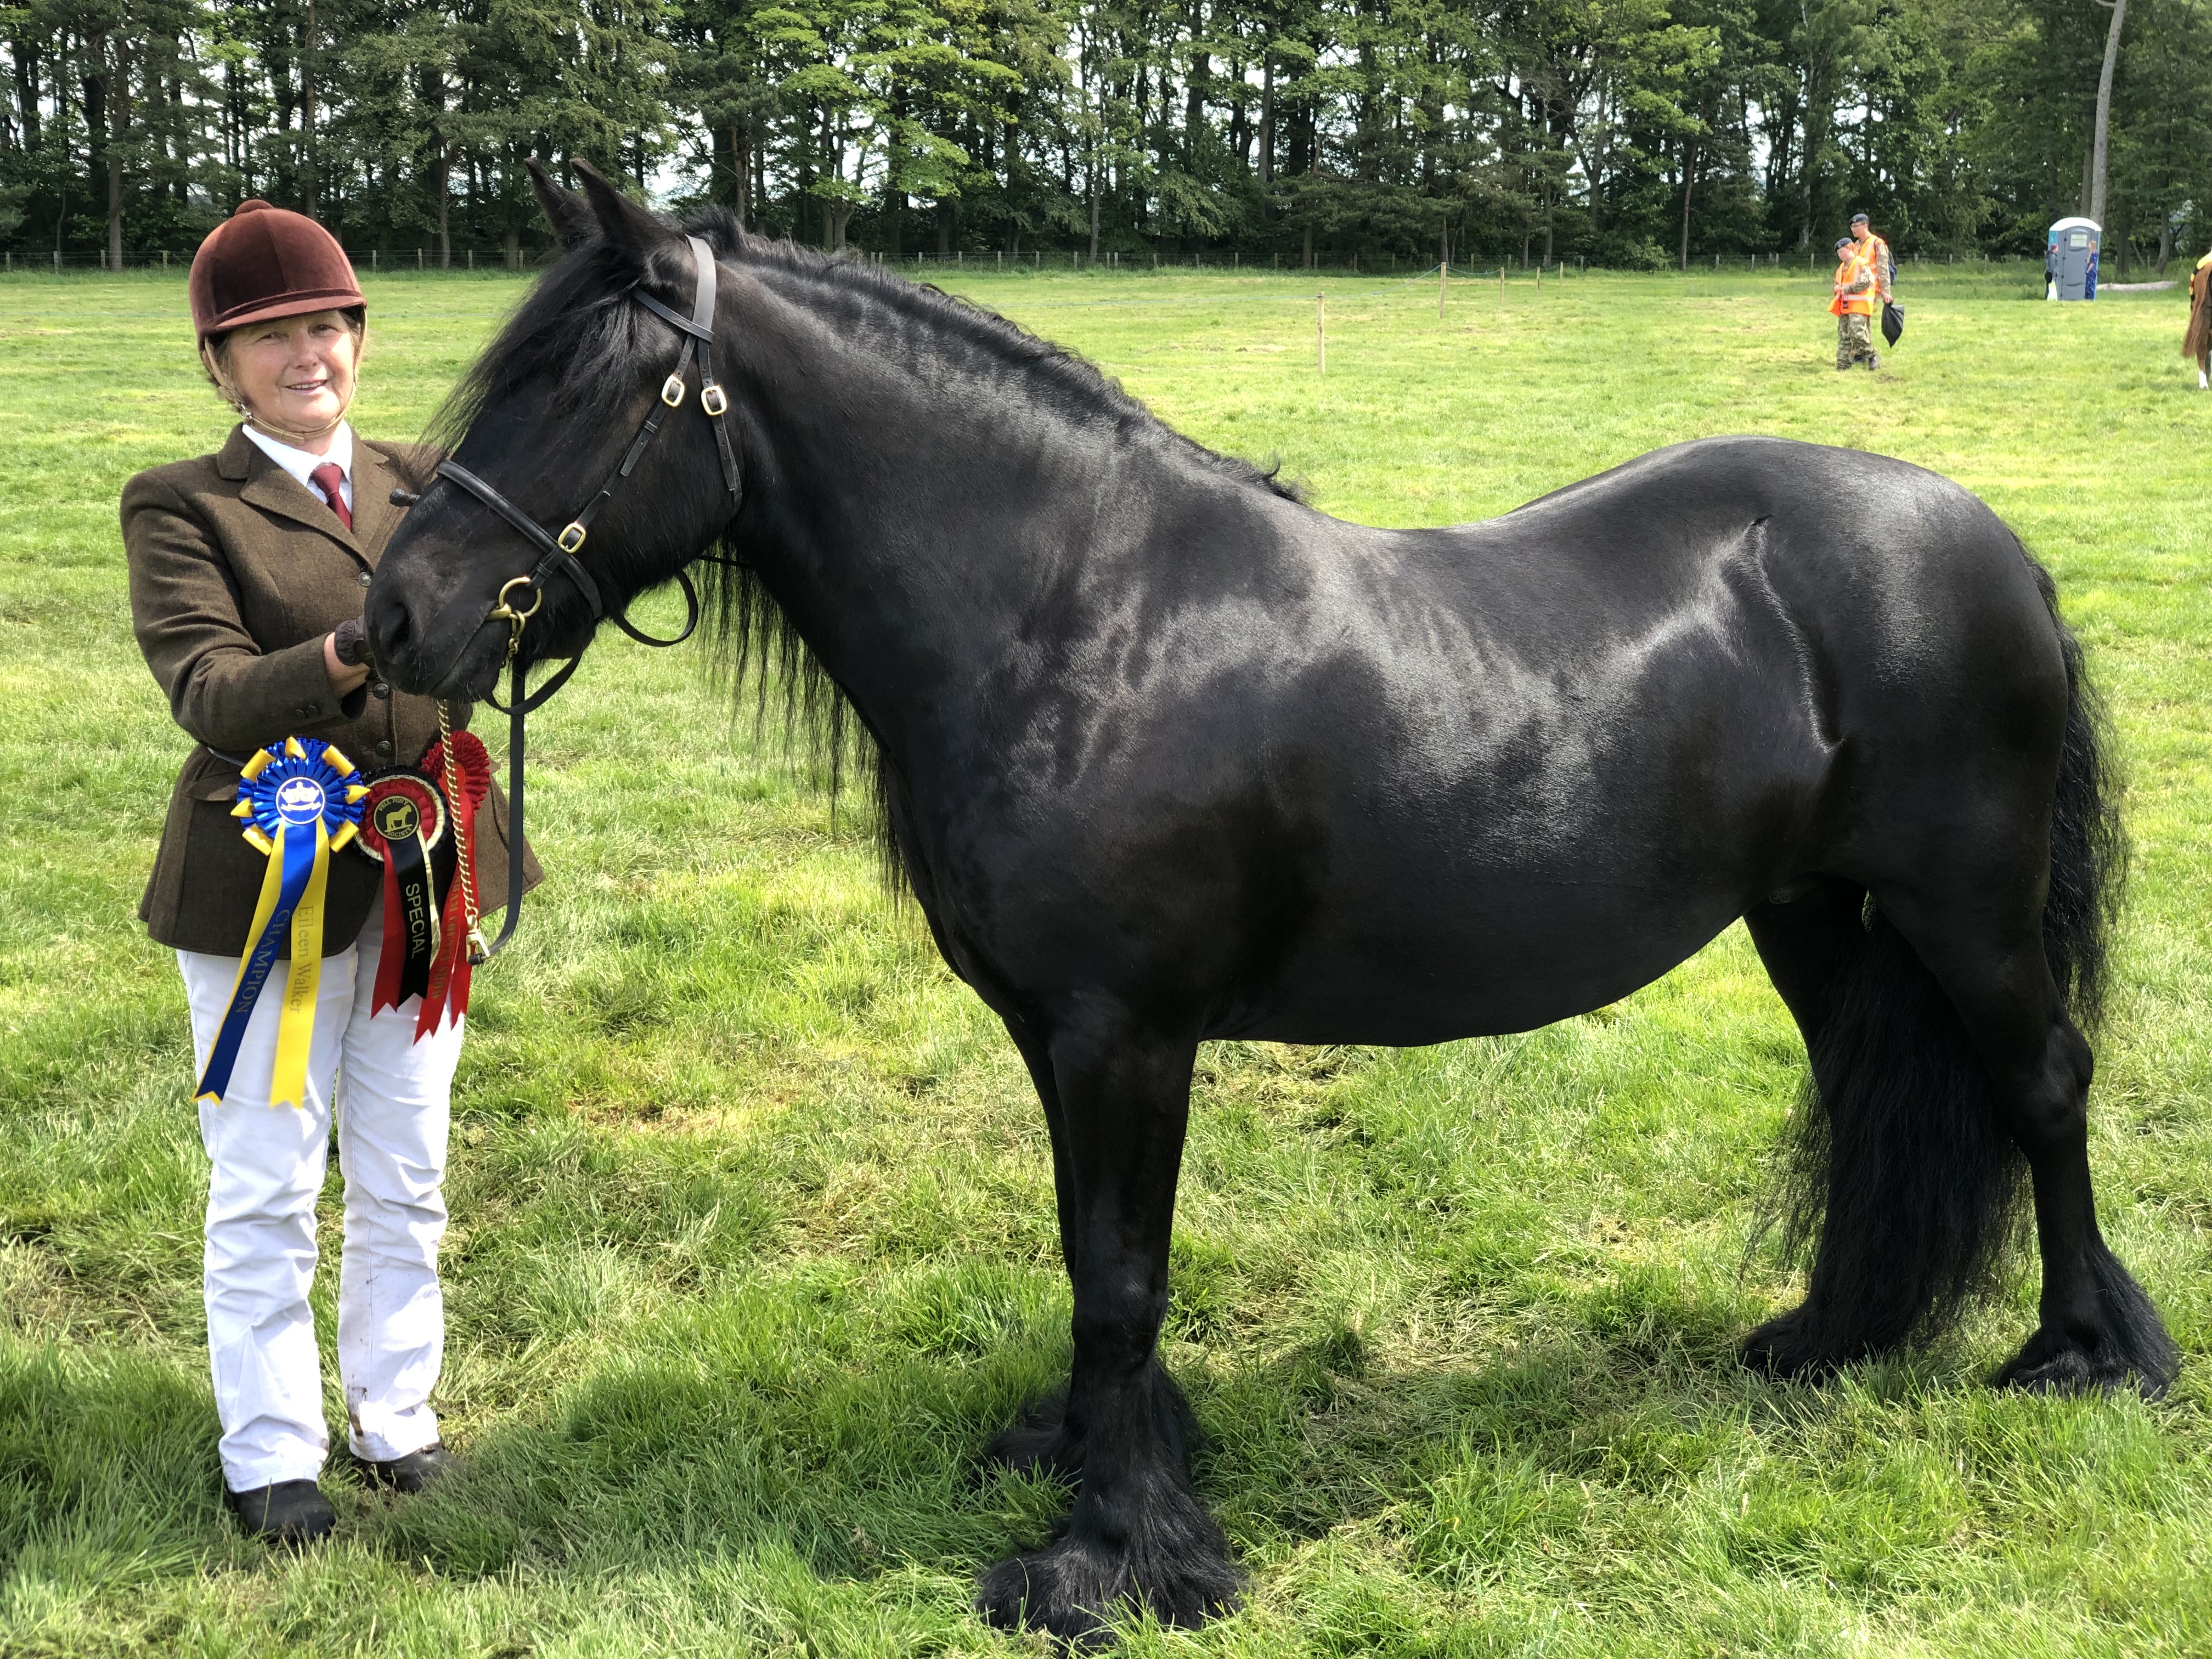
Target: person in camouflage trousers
[{"x": 1853, "y": 306}]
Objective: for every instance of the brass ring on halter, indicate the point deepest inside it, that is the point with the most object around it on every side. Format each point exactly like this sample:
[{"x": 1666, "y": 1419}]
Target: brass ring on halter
[{"x": 501, "y": 608}]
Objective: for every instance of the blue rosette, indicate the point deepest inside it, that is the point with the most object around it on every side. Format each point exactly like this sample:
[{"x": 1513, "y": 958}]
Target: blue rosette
[{"x": 300, "y": 803}]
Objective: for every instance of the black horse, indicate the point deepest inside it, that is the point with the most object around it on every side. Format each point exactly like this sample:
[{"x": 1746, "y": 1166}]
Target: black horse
[{"x": 1168, "y": 756}]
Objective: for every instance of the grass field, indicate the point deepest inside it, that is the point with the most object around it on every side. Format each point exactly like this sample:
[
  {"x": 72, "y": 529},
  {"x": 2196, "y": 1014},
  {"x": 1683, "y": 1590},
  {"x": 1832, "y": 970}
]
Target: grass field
[{"x": 753, "y": 1241}]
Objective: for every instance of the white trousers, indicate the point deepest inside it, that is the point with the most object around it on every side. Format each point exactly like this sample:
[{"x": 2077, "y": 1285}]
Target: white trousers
[{"x": 392, "y": 1097}]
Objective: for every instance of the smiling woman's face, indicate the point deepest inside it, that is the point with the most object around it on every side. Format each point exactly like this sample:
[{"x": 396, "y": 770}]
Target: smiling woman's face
[{"x": 295, "y": 374}]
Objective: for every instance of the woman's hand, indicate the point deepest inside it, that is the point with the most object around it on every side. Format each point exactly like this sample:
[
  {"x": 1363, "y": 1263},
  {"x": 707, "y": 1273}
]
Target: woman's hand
[{"x": 344, "y": 676}]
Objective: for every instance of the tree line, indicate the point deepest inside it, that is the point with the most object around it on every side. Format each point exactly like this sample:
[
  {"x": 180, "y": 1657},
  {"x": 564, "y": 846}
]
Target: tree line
[{"x": 1640, "y": 133}]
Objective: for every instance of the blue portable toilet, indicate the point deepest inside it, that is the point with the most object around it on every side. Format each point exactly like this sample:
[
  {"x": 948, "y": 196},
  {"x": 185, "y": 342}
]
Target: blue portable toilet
[{"x": 2069, "y": 259}]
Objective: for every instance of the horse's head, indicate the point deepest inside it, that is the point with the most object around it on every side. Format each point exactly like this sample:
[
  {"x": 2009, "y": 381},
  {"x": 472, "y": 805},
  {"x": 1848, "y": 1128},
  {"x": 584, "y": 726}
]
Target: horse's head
[{"x": 552, "y": 411}]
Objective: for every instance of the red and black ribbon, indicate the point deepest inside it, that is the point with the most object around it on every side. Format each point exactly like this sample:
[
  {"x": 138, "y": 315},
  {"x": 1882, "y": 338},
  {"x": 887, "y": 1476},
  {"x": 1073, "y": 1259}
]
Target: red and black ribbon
[
  {"x": 403, "y": 819},
  {"x": 447, "y": 991}
]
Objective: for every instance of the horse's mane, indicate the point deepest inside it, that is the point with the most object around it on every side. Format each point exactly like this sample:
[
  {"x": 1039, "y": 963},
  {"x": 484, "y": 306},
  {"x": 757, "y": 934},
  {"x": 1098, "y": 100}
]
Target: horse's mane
[
  {"x": 574, "y": 332},
  {"x": 949, "y": 318}
]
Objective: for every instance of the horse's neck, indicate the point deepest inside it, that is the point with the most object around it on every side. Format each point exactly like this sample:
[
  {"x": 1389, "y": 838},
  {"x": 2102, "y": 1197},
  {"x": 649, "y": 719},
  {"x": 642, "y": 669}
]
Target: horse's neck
[{"x": 912, "y": 526}]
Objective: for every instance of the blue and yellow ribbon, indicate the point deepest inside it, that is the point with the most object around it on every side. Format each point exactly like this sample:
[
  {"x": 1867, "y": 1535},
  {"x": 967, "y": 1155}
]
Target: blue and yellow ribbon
[{"x": 300, "y": 806}]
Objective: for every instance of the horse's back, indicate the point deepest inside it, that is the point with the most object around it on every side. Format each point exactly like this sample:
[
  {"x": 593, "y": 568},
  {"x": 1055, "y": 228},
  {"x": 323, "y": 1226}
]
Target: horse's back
[{"x": 1829, "y": 521}]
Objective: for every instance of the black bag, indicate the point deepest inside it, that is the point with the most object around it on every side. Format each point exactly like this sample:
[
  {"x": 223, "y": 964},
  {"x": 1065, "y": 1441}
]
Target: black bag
[{"x": 1892, "y": 320}]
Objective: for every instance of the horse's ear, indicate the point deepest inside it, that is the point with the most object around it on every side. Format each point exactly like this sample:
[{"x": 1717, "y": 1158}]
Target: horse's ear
[
  {"x": 572, "y": 217},
  {"x": 631, "y": 228}
]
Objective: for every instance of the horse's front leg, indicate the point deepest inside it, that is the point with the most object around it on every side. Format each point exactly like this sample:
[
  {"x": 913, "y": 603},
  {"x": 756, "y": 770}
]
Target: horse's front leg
[{"x": 1138, "y": 1535}]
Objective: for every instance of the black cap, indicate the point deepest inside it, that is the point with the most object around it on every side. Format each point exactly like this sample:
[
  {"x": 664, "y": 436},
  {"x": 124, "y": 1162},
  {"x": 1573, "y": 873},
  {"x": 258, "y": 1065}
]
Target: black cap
[
  {"x": 1842, "y": 242},
  {"x": 1860, "y": 219}
]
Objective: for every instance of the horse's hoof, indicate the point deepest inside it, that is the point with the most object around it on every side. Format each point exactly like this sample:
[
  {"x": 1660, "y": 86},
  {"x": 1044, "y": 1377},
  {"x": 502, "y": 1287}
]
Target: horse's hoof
[
  {"x": 1074, "y": 1589},
  {"x": 2052, "y": 1364},
  {"x": 2118, "y": 1339},
  {"x": 1153, "y": 1547},
  {"x": 1060, "y": 1590},
  {"x": 1782, "y": 1349}
]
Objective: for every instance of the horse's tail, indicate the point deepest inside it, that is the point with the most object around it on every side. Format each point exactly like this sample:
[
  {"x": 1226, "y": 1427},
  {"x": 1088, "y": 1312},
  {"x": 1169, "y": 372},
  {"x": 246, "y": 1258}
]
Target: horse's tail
[
  {"x": 1898, "y": 1162},
  {"x": 2088, "y": 844}
]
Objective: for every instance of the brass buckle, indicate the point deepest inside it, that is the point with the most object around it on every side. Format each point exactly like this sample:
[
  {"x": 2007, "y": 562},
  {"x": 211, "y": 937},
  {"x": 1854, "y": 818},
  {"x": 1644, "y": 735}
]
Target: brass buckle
[
  {"x": 711, "y": 398},
  {"x": 672, "y": 391},
  {"x": 571, "y": 539}
]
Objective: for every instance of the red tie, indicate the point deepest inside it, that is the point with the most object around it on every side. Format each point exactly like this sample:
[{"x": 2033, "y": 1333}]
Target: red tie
[{"x": 327, "y": 477}]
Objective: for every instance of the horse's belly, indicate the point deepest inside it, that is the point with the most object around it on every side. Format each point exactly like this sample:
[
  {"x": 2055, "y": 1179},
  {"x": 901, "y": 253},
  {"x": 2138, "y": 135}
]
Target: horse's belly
[
  {"x": 1490, "y": 908},
  {"x": 1465, "y": 967}
]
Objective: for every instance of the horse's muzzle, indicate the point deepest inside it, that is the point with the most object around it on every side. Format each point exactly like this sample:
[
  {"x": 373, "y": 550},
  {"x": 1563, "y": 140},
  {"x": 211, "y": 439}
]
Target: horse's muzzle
[{"x": 426, "y": 659}]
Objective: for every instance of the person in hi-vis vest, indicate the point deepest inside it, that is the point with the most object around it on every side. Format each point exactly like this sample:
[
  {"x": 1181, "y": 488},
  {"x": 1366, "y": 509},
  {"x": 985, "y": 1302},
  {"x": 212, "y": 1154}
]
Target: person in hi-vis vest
[
  {"x": 1878, "y": 258},
  {"x": 1853, "y": 306}
]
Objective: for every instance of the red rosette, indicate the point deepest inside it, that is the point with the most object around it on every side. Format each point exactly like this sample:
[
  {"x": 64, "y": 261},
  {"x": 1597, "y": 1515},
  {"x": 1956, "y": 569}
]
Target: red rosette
[
  {"x": 470, "y": 758},
  {"x": 447, "y": 994},
  {"x": 386, "y": 810}
]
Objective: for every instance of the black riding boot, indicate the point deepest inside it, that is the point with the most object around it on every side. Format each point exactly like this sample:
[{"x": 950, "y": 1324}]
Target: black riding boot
[
  {"x": 413, "y": 1473},
  {"x": 289, "y": 1512}
]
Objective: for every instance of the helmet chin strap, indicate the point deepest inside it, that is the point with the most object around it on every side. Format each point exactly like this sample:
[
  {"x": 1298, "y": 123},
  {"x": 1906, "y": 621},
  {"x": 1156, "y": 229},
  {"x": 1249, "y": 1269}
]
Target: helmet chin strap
[{"x": 290, "y": 435}]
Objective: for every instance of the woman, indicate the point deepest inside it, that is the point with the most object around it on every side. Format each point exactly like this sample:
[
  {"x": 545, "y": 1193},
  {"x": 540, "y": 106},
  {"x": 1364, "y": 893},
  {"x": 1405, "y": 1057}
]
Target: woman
[{"x": 247, "y": 571}]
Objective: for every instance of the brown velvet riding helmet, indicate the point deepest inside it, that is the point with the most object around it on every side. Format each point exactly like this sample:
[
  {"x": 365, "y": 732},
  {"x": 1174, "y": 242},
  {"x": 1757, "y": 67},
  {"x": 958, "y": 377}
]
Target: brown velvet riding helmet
[{"x": 265, "y": 261}]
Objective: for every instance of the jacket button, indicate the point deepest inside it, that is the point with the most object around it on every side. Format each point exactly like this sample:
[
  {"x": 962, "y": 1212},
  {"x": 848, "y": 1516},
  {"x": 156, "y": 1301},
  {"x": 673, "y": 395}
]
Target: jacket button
[
  {"x": 362, "y": 577},
  {"x": 384, "y": 745},
  {"x": 379, "y": 688}
]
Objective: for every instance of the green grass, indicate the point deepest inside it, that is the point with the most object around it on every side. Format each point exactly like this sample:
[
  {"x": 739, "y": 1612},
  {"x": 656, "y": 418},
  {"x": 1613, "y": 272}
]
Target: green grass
[{"x": 753, "y": 1241}]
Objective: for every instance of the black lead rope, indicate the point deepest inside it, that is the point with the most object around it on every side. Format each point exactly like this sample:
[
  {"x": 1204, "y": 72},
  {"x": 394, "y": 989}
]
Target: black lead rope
[
  {"x": 558, "y": 553},
  {"x": 518, "y": 710}
]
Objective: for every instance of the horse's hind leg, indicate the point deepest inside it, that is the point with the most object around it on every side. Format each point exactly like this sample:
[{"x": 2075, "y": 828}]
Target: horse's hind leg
[
  {"x": 1138, "y": 1533},
  {"x": 2098, "y": 1327},
  {"x": 1941, "y": 1054},
  {"x": 1863, "y": 1005}
]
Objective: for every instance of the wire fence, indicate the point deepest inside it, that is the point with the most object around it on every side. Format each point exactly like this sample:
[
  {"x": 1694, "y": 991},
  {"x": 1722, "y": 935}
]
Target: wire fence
[{"x": 487, "y": 261}]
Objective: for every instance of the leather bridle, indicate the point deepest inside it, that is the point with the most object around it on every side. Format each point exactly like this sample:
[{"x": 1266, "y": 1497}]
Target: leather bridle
[{"x": 519, "y": 599}]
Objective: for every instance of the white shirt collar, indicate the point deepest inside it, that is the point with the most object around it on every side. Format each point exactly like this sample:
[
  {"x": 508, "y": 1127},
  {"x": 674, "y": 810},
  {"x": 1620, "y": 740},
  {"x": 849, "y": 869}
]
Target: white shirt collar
[{"x": 299, "y": 462}]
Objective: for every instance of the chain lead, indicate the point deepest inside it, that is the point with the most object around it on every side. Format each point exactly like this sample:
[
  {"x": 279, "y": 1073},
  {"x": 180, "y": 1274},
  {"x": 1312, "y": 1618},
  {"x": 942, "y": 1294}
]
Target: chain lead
[{"x": 464, "y": 841}]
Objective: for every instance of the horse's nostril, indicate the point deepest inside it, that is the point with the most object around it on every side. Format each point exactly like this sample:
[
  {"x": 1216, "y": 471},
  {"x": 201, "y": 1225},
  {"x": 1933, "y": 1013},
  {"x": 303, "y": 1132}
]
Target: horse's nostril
[{"x": 389, "y": 625}]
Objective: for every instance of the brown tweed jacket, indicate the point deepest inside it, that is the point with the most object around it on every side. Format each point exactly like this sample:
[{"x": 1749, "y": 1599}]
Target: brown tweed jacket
[{"x": 237, "y": 572}]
